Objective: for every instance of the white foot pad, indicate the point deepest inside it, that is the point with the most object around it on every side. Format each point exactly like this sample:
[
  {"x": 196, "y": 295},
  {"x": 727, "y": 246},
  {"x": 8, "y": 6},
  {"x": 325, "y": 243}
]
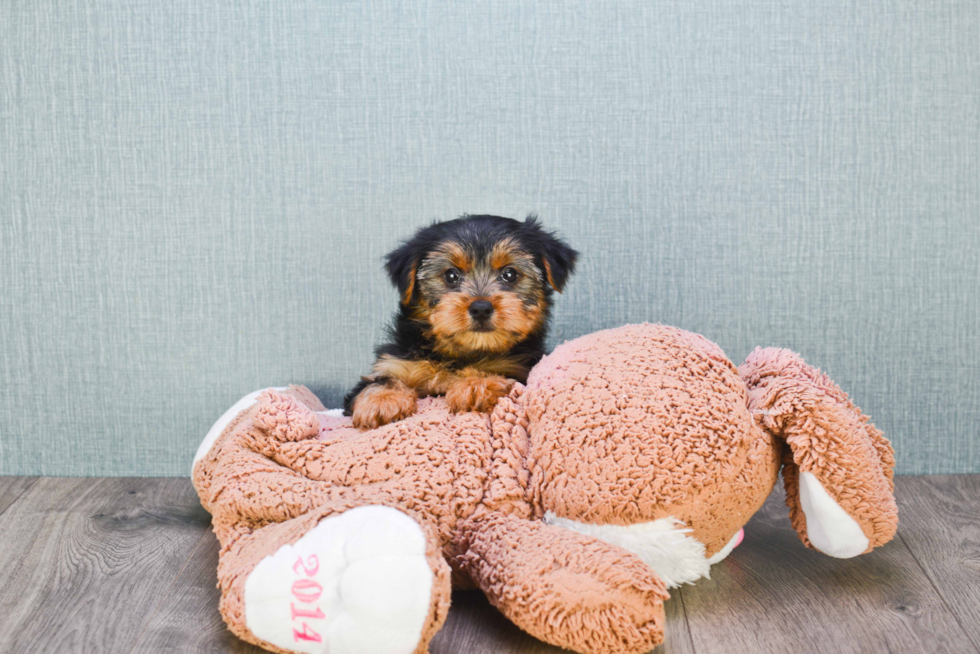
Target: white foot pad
[
  {"x": 830, "y": 529},
  {"x": 357, "y": 583}
]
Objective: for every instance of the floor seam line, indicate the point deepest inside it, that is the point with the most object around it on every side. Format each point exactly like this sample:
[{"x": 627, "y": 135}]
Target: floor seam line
[
  {"x": 166, "y": 593},
  {"x": 941, "y": 597},
  {"x": 21, "y": 494},
  {"x": 687, "y": 621}
]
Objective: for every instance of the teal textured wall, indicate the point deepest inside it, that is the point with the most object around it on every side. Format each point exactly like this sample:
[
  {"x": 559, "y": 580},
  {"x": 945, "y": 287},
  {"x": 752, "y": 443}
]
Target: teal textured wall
[{"x": 195, "y": 196}]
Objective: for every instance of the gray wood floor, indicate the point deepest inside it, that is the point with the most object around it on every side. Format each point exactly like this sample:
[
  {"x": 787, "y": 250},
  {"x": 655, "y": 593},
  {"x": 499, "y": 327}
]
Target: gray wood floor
[{"x": 128, "y": 565}]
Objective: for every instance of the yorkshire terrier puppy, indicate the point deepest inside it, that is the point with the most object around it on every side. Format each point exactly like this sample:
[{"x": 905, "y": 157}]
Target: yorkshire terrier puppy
[{"x": 475, "y": 302}]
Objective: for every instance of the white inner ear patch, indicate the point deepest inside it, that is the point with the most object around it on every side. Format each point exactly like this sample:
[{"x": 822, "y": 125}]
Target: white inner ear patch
[
  {"x": 664, "y": 544},
  {"x": 226, "y": 418},
  {"x": 830, "y": 529}
]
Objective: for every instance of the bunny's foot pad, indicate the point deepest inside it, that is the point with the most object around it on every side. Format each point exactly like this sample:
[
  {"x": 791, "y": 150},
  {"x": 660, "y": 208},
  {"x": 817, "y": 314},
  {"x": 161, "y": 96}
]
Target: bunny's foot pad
[
  {"x": 357, "y": 583},
  {"x": 830, "y": 529}
]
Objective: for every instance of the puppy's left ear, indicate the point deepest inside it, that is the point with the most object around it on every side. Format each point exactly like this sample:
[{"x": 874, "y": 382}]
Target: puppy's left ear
[
  {"x": 401, "y": 265},
  {"x": 557, "y": 257}
]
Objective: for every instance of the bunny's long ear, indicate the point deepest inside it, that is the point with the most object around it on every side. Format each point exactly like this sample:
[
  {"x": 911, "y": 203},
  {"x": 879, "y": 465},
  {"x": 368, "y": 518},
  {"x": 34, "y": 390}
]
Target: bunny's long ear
[{"x": 837, "y": 468}]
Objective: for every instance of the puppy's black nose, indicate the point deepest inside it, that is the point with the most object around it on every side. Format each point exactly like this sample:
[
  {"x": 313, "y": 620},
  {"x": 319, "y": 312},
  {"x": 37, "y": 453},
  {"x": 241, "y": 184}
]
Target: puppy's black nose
[{"x": 481, "y": 310}]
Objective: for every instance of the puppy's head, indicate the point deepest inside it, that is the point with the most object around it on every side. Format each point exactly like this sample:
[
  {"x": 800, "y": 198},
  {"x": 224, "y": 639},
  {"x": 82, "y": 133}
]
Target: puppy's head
[{"x": 480, "y": 284}]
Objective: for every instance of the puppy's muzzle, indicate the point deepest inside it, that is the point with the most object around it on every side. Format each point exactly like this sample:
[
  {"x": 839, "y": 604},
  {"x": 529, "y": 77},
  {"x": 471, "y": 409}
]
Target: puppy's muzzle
[{"x": 481, "y": 310}]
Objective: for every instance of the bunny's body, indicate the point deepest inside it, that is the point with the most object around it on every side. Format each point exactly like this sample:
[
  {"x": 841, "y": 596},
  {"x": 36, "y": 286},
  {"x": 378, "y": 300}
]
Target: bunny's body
[{"x": 629, "y": 462}]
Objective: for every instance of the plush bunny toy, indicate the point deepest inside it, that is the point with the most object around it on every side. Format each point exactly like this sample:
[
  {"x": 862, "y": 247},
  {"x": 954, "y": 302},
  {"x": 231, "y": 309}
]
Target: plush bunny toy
[{"x": 628, "y": 464}]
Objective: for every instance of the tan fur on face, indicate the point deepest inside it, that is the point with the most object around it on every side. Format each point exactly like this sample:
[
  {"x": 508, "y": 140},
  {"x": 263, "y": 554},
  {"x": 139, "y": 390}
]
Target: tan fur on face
[
  {"x": 456, "y": 256},
  {"x": 504, "y": 253},
  {"x": 463, "y": 343},
  {"x": 514, "y": 317},
  {"x": 507, "y": 253},
  {"x": 450, "y": 317},
  {"x": 380, "y": 404},
  {"x": 512, "y": 322},
  {"x": 518, "y": 307}
]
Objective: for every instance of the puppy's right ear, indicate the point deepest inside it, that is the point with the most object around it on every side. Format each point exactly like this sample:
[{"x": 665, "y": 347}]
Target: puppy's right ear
[
  {"x": 557, "y": 258},
  {"x": 402, "y": 264}
]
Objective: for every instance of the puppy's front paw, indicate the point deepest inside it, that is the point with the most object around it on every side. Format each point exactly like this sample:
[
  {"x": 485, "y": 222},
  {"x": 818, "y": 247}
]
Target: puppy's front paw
[
  {"x": 477, "y": 393},
  {"x": 380, "y": 404}
]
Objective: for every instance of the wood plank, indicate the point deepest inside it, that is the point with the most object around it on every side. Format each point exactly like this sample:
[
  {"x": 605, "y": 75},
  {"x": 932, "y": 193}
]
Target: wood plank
[
  {"x": 11, "y": 488},
  {"x": 188, "y": 621},
  {"x": 84, "y": 562},
  {"x": 677, "y": 635},
  {"x": 940, "y": 524},
  {"x": 773, "y": 595},
  {"x": 475, "y": 626},
  {"x": 770, "y": 595}
]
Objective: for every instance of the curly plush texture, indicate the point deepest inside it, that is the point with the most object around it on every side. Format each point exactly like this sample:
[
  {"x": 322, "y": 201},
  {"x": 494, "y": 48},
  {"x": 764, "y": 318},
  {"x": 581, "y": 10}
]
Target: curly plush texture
[
  {"x": 586, "y": 596},
  {"x": 670, "y": 411},
  {"x": 828, "y": 436},
  {"x": 614, "y": 430}
]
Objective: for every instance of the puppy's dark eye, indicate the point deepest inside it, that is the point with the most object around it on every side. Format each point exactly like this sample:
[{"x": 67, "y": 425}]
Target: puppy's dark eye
[
  {"x": 508, "y": 275},
  {"x": 452, "y": 276}
]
